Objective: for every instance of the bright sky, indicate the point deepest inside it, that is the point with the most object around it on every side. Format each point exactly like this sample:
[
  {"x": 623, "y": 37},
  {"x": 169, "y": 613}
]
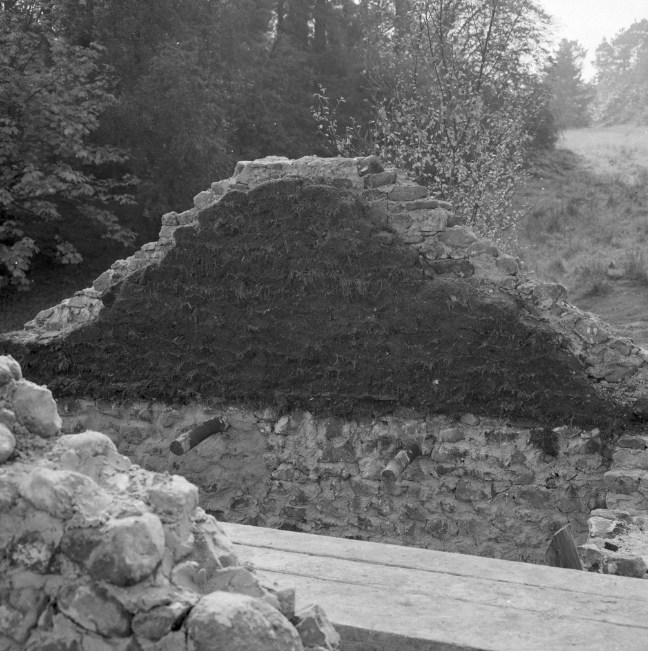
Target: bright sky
[{"x": 588, "y": 21}]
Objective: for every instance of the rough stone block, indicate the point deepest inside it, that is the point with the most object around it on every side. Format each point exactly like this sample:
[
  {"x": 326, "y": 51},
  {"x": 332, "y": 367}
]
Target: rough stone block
[
  {"x": 95, "y": 610},
  {"x": 625, "y": 565},
  {"x": 373, "y": 180},
  {"x": 458, "y": 237},
  {"x": 204, "y": 199},
  {"x": 469, "y": 419},
  {"x": 234, "y": 622},
  {"x": 170, "y": 219},
  {"x": 370, "y": 164},
  {"x": 449, "y": 453},
  {"x": 172, "y": 498},
  {"x": 104, "y": 281},
  {"x": 434, "y": 222},
  {"x": 601, "y": 527},
  {"x": 8, "y": 363},
  {"x": 615, "y": 373},
  {"x": 632, "y": 442},
  {"x": 462, "y": 268},
  {"x": 623, "y": 481},
  {"x": 620, "y": 345},
  {"x": 378, "y": 212},
  {"x": 483, "y": 246},
  {"x": 413, "y": 237},
  {"x": 55, "y": 492},
  {"x": 546, "y": 294},
  {"x": 455, "y": 434},
  {"x": 91, "y": 443},
  {"x": 157, "y": 622},
  {"x": 6, "y": 375},
  {"x": 315, "y": 629},
  {"x": 36, "y": 409},
  {"x": 591, "y": 557},
  {"x": 188, "y": 216},
  {"x": 630, "y": 459},
  {"x": 591, "y": 331},
  {"x": 407, "y": 192},
  {"x": 7, "y": 443},
  {"x": 400, "y": 222},
  {"x": 534, "y": 496},
  {"x": 508, "y": 264},
  {"x": 167, "y": 231},
  {"x": 468, "y": 490},
  {"x": 629, "y": 503},
  {"x": 7, "y": 418},
  {"x": 131, "y": 548}
]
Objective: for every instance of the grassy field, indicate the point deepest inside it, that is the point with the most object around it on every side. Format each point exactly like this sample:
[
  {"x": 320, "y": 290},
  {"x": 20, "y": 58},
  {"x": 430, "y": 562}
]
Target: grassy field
[{"x": 586, "y": 223}]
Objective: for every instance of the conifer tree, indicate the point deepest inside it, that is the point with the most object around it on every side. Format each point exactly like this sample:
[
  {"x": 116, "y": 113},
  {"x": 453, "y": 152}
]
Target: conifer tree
[{"x": 571, "y": 95}]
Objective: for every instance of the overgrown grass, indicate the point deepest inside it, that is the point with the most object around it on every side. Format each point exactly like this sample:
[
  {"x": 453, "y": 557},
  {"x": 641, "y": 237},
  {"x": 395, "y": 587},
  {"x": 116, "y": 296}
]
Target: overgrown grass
[
  {"x": 586, "y": 223},
  {"x": 636, "y": 266}
]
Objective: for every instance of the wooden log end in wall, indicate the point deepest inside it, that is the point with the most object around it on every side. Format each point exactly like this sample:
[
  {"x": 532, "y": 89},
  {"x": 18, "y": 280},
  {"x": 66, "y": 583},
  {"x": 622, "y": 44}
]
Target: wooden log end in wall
[{"x": 197, "y": 434}]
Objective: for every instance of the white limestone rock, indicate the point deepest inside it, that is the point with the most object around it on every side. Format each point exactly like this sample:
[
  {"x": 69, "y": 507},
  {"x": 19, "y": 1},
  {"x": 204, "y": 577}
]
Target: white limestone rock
[
  {"x": 316, "y": 630},
  {"x": 55, "y": 492},
  {"x": 236, "y": 622},
  {"x": 36, "y": 409},
  {"x": 95, "y": 610},
  {"x": 9, "y": 369},
  {"x": 7, "y": 443},
  {"x": 173, "y": 497},
  {"x": 130, "y": 550}
]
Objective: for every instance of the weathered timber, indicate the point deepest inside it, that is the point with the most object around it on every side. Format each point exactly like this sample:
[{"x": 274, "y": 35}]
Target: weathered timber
[
  {"x": 197, "y": 434},
  {"x": 562, "y": 552},
  {"x": 382, "y": 596}
]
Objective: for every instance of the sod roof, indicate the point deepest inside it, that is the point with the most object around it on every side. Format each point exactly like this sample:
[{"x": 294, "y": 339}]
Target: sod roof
[{"x": 293, "y": 295}]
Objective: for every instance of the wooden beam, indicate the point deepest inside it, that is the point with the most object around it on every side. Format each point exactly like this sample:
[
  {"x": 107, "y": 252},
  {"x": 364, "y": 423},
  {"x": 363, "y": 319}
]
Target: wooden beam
[
  {"x": 562, "y": 552},
  {"x": 383, "y": 596}
]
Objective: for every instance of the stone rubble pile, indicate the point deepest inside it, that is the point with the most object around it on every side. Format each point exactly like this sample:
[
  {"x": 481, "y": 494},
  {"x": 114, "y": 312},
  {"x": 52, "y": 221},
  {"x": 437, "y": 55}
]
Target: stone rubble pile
[
  {"x": 618, "y": 534},
  {"x": 444, "y": 245},
  {"x": 97, "y": 553}
]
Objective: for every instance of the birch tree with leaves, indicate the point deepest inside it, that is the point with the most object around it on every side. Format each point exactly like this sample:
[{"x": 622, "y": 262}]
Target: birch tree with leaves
[{"x": 456, "y": 91}]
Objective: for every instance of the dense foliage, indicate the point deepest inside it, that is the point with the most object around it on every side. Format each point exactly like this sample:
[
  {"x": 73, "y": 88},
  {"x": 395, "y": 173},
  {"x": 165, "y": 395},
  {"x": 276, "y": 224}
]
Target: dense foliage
[
  {"x": 456, "y": 98},
  {"x": 97, "y": 95},
  {"x": 52, "y": 94}
]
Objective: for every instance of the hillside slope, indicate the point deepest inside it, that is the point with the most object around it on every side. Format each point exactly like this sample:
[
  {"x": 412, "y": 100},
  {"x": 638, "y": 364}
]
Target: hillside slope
[{"x": 587, "y": 224}]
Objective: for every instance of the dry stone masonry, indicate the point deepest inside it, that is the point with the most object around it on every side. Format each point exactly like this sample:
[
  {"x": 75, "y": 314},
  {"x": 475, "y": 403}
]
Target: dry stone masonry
[
  {"x": 97, "y": 553},
  {"x": 618, "y": 534},
  {"x": 488, "y": 485},
  {"x": 481, "y": 486}
]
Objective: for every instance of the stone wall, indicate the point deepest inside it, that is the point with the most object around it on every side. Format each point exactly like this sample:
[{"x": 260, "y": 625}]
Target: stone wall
[
  {"x": 618, "y": 534},
  {"x": 481, "y": 486},
  {"x": 97, "y": 553}
]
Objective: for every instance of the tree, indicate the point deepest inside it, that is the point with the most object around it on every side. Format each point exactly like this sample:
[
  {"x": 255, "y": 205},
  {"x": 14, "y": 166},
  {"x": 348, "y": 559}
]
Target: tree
[
  {"x": 52, "y": 95},
  {"x": 455, "y": 91},
  {"x": 571, "y": 95},
  {"x": 622, "y": 76}
]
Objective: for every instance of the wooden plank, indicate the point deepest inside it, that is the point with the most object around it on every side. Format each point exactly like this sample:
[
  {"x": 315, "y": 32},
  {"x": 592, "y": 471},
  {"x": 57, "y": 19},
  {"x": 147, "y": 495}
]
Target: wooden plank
[
  {"x": 561, "y": 551},
  {"x": 382, "y": 618},
  {"x": 438, "y": 561},
  {"x": 497, "y": 595}
]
